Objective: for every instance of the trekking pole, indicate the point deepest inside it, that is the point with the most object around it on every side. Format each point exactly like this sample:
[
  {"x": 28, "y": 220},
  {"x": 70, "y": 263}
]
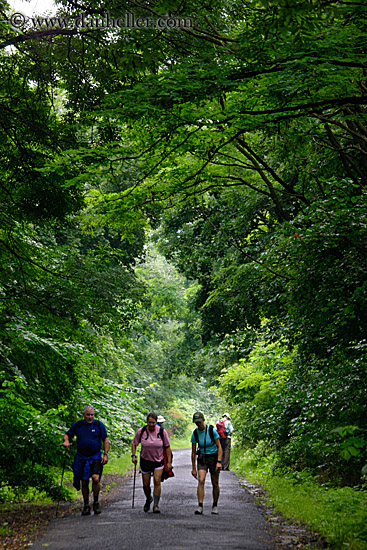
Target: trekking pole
[
  {"x": 134, "y": 485},
  {"x": 62, "y": 477}
]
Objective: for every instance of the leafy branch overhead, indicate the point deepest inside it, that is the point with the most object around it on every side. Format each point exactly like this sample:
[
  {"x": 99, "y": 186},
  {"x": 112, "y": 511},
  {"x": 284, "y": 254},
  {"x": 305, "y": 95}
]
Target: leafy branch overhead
[{"x": 238, "y": 146}]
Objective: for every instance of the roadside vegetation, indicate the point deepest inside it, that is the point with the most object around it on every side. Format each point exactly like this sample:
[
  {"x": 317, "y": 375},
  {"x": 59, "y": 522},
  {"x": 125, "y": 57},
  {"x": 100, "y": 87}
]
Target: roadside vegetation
[
  {"x": 183, "y": 223},
  {"x": 336, "y": 513}
]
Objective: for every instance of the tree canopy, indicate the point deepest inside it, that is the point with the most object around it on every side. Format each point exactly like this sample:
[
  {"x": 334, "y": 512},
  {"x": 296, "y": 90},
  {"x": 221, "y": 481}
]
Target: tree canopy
[{"x": 237, "y": 144}]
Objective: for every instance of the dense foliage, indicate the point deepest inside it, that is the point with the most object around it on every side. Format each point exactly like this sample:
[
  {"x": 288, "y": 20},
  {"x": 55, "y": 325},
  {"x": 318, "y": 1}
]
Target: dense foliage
[
  {"x": 165, "y": 347},
  {"x": 241, "y": 140},
  {"x": 64, "y": 294}
]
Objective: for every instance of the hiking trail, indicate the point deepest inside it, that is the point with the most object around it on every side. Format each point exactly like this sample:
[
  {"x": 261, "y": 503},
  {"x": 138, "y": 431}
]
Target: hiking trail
[{"x": 240, "y": 523}]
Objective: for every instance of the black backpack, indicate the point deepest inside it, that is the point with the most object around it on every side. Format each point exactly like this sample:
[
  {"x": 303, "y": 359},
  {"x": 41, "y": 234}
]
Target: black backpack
[
  {"x": 145, "y": 430},
  {"x": 166, "y": 474},
  {"x": 211, "y": 434}
]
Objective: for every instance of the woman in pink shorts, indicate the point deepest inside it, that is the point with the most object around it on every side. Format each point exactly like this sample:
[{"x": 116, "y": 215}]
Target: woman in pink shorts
[{"x": 152, "y": 439}]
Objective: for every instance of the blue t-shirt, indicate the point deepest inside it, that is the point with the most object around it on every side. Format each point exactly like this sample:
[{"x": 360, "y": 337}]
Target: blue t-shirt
[
  {"x": 204, "y": 437},
  {"x": 88, "y": 436}
]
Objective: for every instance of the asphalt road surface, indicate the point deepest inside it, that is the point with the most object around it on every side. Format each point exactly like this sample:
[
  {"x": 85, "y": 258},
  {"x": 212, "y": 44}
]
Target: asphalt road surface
[{"x": 239, "y": 523}]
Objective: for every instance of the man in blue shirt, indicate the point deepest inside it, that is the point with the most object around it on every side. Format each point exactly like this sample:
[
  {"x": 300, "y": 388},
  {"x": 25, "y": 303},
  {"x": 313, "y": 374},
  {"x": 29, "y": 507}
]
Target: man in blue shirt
[
  {"x": 209, "y": 457},
  {"x": 88, "y": 460}
]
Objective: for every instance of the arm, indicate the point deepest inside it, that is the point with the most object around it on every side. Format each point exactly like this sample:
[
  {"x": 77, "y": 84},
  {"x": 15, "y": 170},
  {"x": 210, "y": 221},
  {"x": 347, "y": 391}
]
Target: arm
[
  {"x": 135, "y": 445},
  {"x": 193, "y": 459},
  {"x": 66, "y": 442},
  {"x": 134, "y": 460},
  {"x": 169, "y": 458},
  {"x": 219, "y": 448},
  {"x": 167, "y": 448},
  {"x": 106, "y": 447}
]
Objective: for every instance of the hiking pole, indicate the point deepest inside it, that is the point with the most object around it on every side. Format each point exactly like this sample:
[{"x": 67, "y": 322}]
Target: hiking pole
[
  {"x": 134, "y": 485},
  {"x": 62, "y": 477}
]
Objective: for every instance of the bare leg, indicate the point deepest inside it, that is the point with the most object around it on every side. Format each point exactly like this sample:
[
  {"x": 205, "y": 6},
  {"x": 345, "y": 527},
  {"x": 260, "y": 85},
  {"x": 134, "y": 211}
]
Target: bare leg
[
  {"x": 146, "y": 485},
  {"x": 96, "y": 486},
  {"x": 157, "y": 482},
  {"x": 201, "y": 479},
  {"x": 215, "y": 484},
  {"x": 157, "y": 478},
  {"x": 85, "y": 490}
]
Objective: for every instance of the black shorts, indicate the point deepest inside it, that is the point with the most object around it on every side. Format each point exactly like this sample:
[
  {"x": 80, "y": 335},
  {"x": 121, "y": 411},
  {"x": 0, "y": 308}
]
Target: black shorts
[
  {"x": 95, "y": 468},
  {"x": 148, "y": 466},
  {"x": 208, "y": 462}
]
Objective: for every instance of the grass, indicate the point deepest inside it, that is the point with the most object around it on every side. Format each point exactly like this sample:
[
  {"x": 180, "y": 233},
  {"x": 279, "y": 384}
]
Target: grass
[
  {"x": 119, "y": 464},
  {"x": 116, "y": 465},
  {"x": 5, "y": 530},
  {"x": 122, "y": 464},
  {"x": 180, "y": 443},
  {"x": 339, "y": 514},
  {"x": 10, "y": 500}
]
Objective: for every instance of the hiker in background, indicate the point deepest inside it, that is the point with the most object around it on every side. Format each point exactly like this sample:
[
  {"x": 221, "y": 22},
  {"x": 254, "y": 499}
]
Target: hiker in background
[
  {"x": 209, "y": 457},
  {"x": 225, "y": 429},
  {"x": 229, "y": 431},
  {"x": 160, "y": 420},
  {"x": 88, "y": 461},
  {"x": 152, "y": 439}
]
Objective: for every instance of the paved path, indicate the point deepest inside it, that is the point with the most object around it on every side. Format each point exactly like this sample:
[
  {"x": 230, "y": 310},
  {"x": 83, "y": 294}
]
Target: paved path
[{"x": 239, "y": 524}]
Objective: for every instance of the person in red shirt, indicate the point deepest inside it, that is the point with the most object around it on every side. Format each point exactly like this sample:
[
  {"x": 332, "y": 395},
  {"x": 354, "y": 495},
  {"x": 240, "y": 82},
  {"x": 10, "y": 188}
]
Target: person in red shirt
[{"x": 152, "y": 439}]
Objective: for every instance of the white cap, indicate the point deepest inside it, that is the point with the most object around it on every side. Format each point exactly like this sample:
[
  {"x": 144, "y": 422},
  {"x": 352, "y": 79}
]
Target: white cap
[{"x": 160, "y": 419}]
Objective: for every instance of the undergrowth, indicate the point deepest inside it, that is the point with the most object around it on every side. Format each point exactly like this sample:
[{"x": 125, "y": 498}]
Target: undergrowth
[{"x": 339, "y": 514}]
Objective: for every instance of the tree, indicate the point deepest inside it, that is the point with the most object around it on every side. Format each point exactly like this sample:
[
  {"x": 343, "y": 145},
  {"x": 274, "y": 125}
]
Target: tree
[{"x": 247, "y": 136}]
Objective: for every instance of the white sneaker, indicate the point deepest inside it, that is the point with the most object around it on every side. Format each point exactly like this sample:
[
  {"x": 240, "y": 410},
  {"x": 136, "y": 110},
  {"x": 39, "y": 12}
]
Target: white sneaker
[
  {"x": 215, "y": 510},
  {"x": 199, "y": 510}
]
